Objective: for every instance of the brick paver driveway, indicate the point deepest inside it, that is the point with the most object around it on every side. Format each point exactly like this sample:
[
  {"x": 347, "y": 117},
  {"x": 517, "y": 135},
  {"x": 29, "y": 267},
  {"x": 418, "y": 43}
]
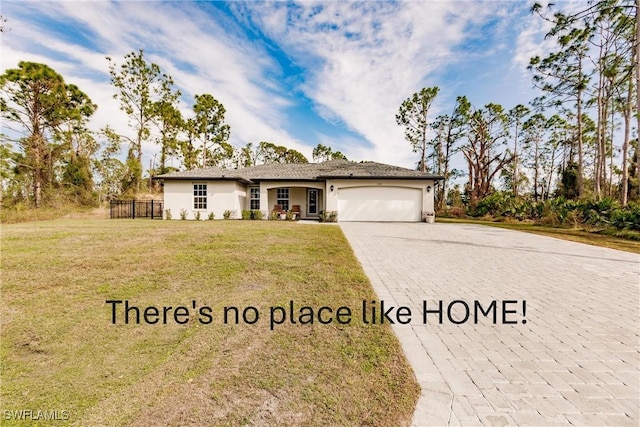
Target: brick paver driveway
[{"x": 574, "y": 361}]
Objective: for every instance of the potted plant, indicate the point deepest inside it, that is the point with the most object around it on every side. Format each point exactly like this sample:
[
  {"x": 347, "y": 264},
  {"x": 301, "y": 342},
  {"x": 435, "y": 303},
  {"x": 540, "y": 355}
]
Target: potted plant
[{"x": 430, "y": 217}]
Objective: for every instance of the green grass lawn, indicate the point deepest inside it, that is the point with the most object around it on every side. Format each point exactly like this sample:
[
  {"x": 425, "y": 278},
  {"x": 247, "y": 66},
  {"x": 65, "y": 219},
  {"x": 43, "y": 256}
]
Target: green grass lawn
[
  {"x": 575, "y": 235},
  {"x": 60, "y": 350}
]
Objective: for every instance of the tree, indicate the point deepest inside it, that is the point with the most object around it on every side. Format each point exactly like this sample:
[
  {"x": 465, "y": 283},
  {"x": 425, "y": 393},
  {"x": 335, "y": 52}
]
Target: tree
[
  {"x": 7, "y": 169},
  {"x": 210, "y": 126},
  {"x": 516, "y": 114},
  {"x": 78, "y": 145},
  {"x": 271, "y": 153},
  {"x": 77, "y": 175},
  {"x": 221, "y": 155},
  {"x": 323, "y": 153},
  {"x": 294, "y": 156},
  {"x": 170, "y": 123},
  {"x": 484, "y": 150},
  {"x": 110, "y": 170},
  {"x": 557, "y": 129},
  {"x": 187, "y": 148},
  {"x": 40, "y": 103},
  {"x": 450, "y": 129},
  {"x": 634, "y": 179},
  {"x": 635, "y": 61},
  {"x": 561, "y": 74},
  {"x": 413, "y": 117},
  {"x": 568, "y": 187},
  {"x": 246, "y": 156},
  {"x": 597, "y": 43},
  {"x": 614, "y": 39},
  {"x": 140, "y": 86},
  {"x": 534, "y": 133}
]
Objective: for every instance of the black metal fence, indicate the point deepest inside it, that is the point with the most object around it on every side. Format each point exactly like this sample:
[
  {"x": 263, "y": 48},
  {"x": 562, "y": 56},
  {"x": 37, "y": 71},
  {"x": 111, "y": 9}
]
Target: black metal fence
[{"x": 133, "y": 209}]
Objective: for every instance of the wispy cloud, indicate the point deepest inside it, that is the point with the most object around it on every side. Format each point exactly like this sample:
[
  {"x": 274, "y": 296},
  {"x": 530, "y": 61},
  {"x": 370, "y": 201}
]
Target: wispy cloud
[
  {"x": 362, "y": 59},
  {"x": 531, "y": 42}
]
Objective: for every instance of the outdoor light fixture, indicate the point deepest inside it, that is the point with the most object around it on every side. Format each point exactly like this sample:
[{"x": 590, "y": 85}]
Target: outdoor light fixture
[
  {"x": 331, "y": 188},
  {"x": 428, "y": 189}
]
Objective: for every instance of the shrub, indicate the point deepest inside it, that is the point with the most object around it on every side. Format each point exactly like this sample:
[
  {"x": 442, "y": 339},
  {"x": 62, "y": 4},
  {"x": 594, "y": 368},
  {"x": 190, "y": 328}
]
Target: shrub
[
  {"x": 501, "y": 204},
  {"x": 494, "y": 205},
  {"x": 197, "y": 216},
  {"x": 212, "y": 216},
  {"x": 167, "y": 214},
  {"x": 549, "y": 216},
  {"x": 573, "y": 218},
  {"x": 226, "y": 214},
  {"x": 454, "y": 212},
  {"x": 606, "y": 214},
  {"x": 627, "y": 218},
  {"x": 253, "y": 214},
  {"x": 328, "y": 216},
  {"x": 183, "y": 214}
]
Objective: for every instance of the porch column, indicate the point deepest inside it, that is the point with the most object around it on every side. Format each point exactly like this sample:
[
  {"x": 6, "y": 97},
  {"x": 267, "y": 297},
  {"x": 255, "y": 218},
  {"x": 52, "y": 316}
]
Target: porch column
[{"x": 264, "y": 201}]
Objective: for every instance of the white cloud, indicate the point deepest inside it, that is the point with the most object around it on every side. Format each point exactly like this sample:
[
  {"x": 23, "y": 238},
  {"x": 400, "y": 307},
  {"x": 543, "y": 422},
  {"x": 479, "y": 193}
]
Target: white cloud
[
  {"x": 362, "y": 59},
  {"x": 531, "y": 42}
]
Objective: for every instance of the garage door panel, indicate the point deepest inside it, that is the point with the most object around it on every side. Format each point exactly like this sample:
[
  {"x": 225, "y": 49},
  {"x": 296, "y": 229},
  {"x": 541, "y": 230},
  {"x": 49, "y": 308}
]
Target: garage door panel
[{"x": 379, "y": 204}]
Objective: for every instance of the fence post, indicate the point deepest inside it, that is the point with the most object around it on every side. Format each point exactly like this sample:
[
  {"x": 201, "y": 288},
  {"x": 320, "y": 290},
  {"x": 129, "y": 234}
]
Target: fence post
[
  {"x": 151, "y": 208},
  {"x": 133, "y": 209}
]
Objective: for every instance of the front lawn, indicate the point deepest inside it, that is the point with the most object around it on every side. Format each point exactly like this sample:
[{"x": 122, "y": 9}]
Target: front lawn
[{"x": 60, "y": 350}]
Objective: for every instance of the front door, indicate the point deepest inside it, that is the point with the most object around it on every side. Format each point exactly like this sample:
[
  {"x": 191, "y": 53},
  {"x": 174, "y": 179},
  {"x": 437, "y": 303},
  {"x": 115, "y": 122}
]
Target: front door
[{"x": 312, "y": 201}]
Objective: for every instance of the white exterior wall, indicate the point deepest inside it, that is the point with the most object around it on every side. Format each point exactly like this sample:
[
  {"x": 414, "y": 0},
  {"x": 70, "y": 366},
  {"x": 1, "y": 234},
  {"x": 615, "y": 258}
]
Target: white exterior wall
[
  {"x": 221, "y": 196},
  {"x": 241, "y": 198},
  {"x": 234, "y": 196}
]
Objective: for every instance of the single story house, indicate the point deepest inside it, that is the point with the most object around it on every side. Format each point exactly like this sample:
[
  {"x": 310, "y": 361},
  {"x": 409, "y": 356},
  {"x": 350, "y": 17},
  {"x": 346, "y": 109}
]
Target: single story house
[{"x": 366, "y": 191}]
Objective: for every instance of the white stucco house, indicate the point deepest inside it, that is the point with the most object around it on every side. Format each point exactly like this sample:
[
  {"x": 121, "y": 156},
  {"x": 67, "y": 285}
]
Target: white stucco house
[{"x": 366, "y": 191}]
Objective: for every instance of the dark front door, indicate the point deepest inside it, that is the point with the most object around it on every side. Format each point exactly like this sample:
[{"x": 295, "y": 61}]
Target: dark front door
[{"x": 312, "y": 201}]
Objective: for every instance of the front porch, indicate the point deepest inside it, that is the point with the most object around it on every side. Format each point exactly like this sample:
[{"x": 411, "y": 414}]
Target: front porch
[{"x": 306, "y": 200}]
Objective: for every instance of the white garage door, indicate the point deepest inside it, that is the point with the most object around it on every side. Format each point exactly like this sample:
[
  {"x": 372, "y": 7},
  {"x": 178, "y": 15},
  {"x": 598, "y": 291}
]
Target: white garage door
[{"x": 379, "y": 204}]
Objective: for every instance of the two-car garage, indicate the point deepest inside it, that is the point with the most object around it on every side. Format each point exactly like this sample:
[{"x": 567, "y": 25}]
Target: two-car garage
[{"x": 381, "y": 203}]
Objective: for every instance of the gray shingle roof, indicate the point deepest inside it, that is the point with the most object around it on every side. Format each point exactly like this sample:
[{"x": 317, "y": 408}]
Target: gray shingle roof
[{"x": 303, "y": 171}]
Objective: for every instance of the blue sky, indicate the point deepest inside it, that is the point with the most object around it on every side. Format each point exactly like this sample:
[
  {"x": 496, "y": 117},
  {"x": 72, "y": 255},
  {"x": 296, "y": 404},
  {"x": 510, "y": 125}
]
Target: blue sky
[{"x": 291, "y": 73}]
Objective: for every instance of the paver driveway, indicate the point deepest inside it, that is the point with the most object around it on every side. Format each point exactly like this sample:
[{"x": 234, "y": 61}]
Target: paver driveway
[{"x": 574, "y": 361}]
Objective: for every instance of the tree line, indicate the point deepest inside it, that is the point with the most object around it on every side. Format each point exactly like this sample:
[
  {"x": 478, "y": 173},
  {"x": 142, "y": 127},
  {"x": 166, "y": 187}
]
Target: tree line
[
  {"x": 49, "y": 152},
  {"x": 572, "y": 141}
]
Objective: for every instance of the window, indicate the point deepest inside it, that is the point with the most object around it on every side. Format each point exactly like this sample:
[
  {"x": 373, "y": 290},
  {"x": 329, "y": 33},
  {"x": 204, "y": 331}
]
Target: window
[
  {"x": 282, "y": 198},
  {"x": 254, "y": 198},
  {"x": 199, "y": 196}
]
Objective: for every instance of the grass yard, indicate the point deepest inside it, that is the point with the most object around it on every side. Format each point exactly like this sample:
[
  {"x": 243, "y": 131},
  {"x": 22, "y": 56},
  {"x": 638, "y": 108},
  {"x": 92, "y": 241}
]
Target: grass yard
[
  {"x": 575, "y": 235},
  {"x": 61, "y": 352}
]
